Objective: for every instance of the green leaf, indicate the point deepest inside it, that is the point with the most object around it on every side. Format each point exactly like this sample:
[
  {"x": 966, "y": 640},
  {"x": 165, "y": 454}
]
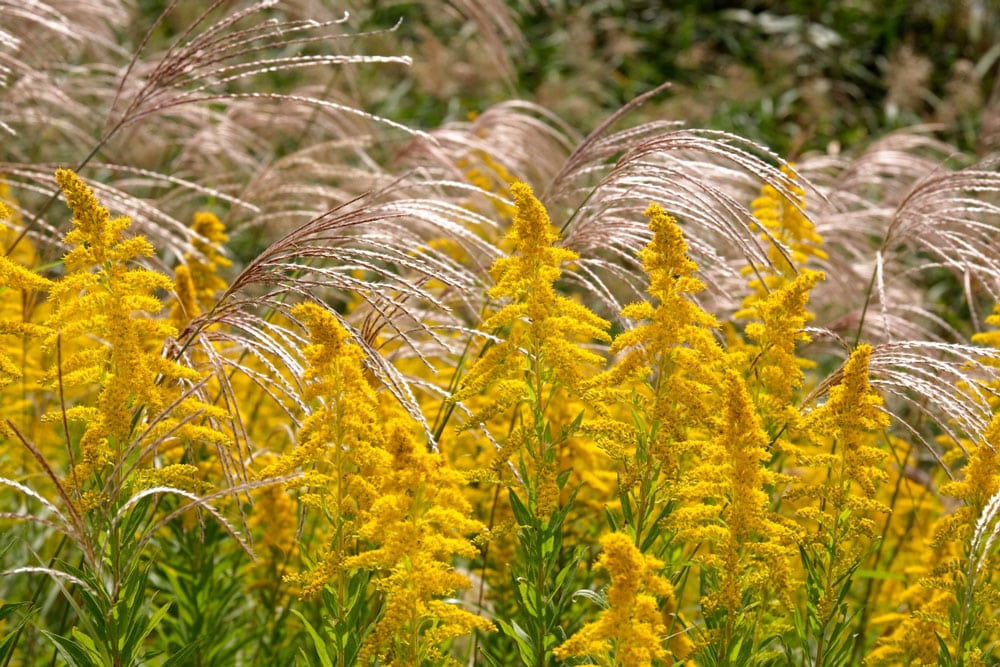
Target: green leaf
[
  {"x": 185, "y": 655},
  {"x": 74, "y": 654},
  {"x": 626, "y": 509},
  {"x": 318, "y": 642},
  {"x": 7, "y": 644},
  {"x": 8, "y": 608},
  {"x": 521, "y": 640},
  {"x": 521, "y": 513},
  {"x": 137, "y": 633},
  {"x": 612, "y": 519},
  {"x": 944, "y": 653},
  {"x": 563, "y": 477},
  {"x": 85, "y": 640},
  {"x": 135, "y": 517}
]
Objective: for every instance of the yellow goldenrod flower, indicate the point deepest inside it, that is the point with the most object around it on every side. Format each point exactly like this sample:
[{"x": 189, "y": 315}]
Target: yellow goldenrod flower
[
  {"x": 851, "y": 412},
  {"x": 15, "y": 276},
  {"x": 397, "y": 510},
  {"x": 783, "y": 216},
  {"x": 535, "y": 313},
  {"x": 631, "y": 631},
  {"x": 724, "y": 504},
  {"x": 782, "y": 220},
  {"x": 838, "y": 442},
  {"x": 991, "y": 337},
  {"x": 848, "y": 419},
  {"x": 197, "y": 281},
  {"x": 668, "y": 373},
  {"x": 777, "y": 306},
  {"x": 339, "y": 443},
  {"x": 953, "y": 597},
  {"x": 777, "y": 328},
  {"x": 541, "y": 356},
  {"x": 186, "y": 306},
  {"x": 205, "y": 268},
  {"x": 101, "y": 310},
  {"x": 420, "y": 521},
  {"x": 182, "y": 476}
]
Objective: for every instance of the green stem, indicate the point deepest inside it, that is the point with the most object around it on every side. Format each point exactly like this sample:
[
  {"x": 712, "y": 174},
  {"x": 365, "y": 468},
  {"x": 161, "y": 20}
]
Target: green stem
[{"x": 540, "y": 580}]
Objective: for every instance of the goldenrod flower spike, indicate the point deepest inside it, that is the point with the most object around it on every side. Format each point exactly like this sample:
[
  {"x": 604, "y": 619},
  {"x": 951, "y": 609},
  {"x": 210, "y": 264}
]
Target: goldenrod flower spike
[
  {"x": 339, "y": 434},
  {"x": 783, "y": 216},
  {"x": 678, "y": 333},
  {"x": 850, "y": 418},
  {"x": 14, "y": 276},
  {"x": 783, "y": 221},
  {"x": 205, "y": 269},
  {"x": 420, "y": 521},
  {"x": 96, "y": 237},
  {"x": 853, "y": 407},
  {"x": 102, "y": 294},
  {"x": 630, "y": 632},
  {"x": 547, "y": 324},
  {"x": 778, "y": 327},
  {"x": 397, "y": 510}
]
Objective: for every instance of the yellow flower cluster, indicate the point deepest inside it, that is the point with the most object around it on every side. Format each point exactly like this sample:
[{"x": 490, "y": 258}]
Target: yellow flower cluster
[
  {"x": 725, "y": 503},
  {"x": 631, "y": 631},
  {"x": 789, "y": 234},
  {"x": 419, "y": 523},
  {"x": 848, "y": 418},
  {"x": 22, "y": 307},
  {"x": 538, "y": 319},
  {"x": 775, "y": 332},
  {"x": 395, "y": 509},
  {"x": 667, "y": 374},
  {"x": 196, "y": 280},
  {"x": 107, "y": 317},
  {"x": 540, "y": 358},
  {"x": 15, "y": 277}
]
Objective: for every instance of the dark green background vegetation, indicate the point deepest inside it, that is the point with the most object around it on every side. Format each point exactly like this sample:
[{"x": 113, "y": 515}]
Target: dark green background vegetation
[{"x": 793, "y": 75}]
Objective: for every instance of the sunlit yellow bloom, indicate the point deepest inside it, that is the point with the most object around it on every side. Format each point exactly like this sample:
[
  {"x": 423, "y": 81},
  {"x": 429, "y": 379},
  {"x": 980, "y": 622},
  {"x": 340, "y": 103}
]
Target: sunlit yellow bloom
[
  {"x": 777, "y": 328},
  {"x": 980, "y": 481},
  {"x": 14, "y": 278},
  {"x": 420, "y": 521},
  {"x": 668, "y": 373},
  {"x": 940, "y": 596},
  {"x": 205, "y": 268},
  {"x": 396, "y": 510},
  {"x": 838, "y": 440},
  {"x": 630, "y": 632},
  {"x": 541, "y": 357},
  {"x": 725, "y": 505},
  {"x": 181, "y": 476},
  {"x": 338, "y": 443},
  {"x": 790, "y": 236},
  {"x": 104, "y": 311},
  {"x": 674, "y": 337},
  {"x": 850, "y": 416},
  {"x": 535, "y": 312},
  {"x": 852, "y": 411}
]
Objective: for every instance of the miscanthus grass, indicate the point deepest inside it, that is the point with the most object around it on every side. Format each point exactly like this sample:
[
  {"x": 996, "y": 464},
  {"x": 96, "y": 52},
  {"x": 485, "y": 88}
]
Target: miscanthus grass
[{"x": 285, "y": 383}]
